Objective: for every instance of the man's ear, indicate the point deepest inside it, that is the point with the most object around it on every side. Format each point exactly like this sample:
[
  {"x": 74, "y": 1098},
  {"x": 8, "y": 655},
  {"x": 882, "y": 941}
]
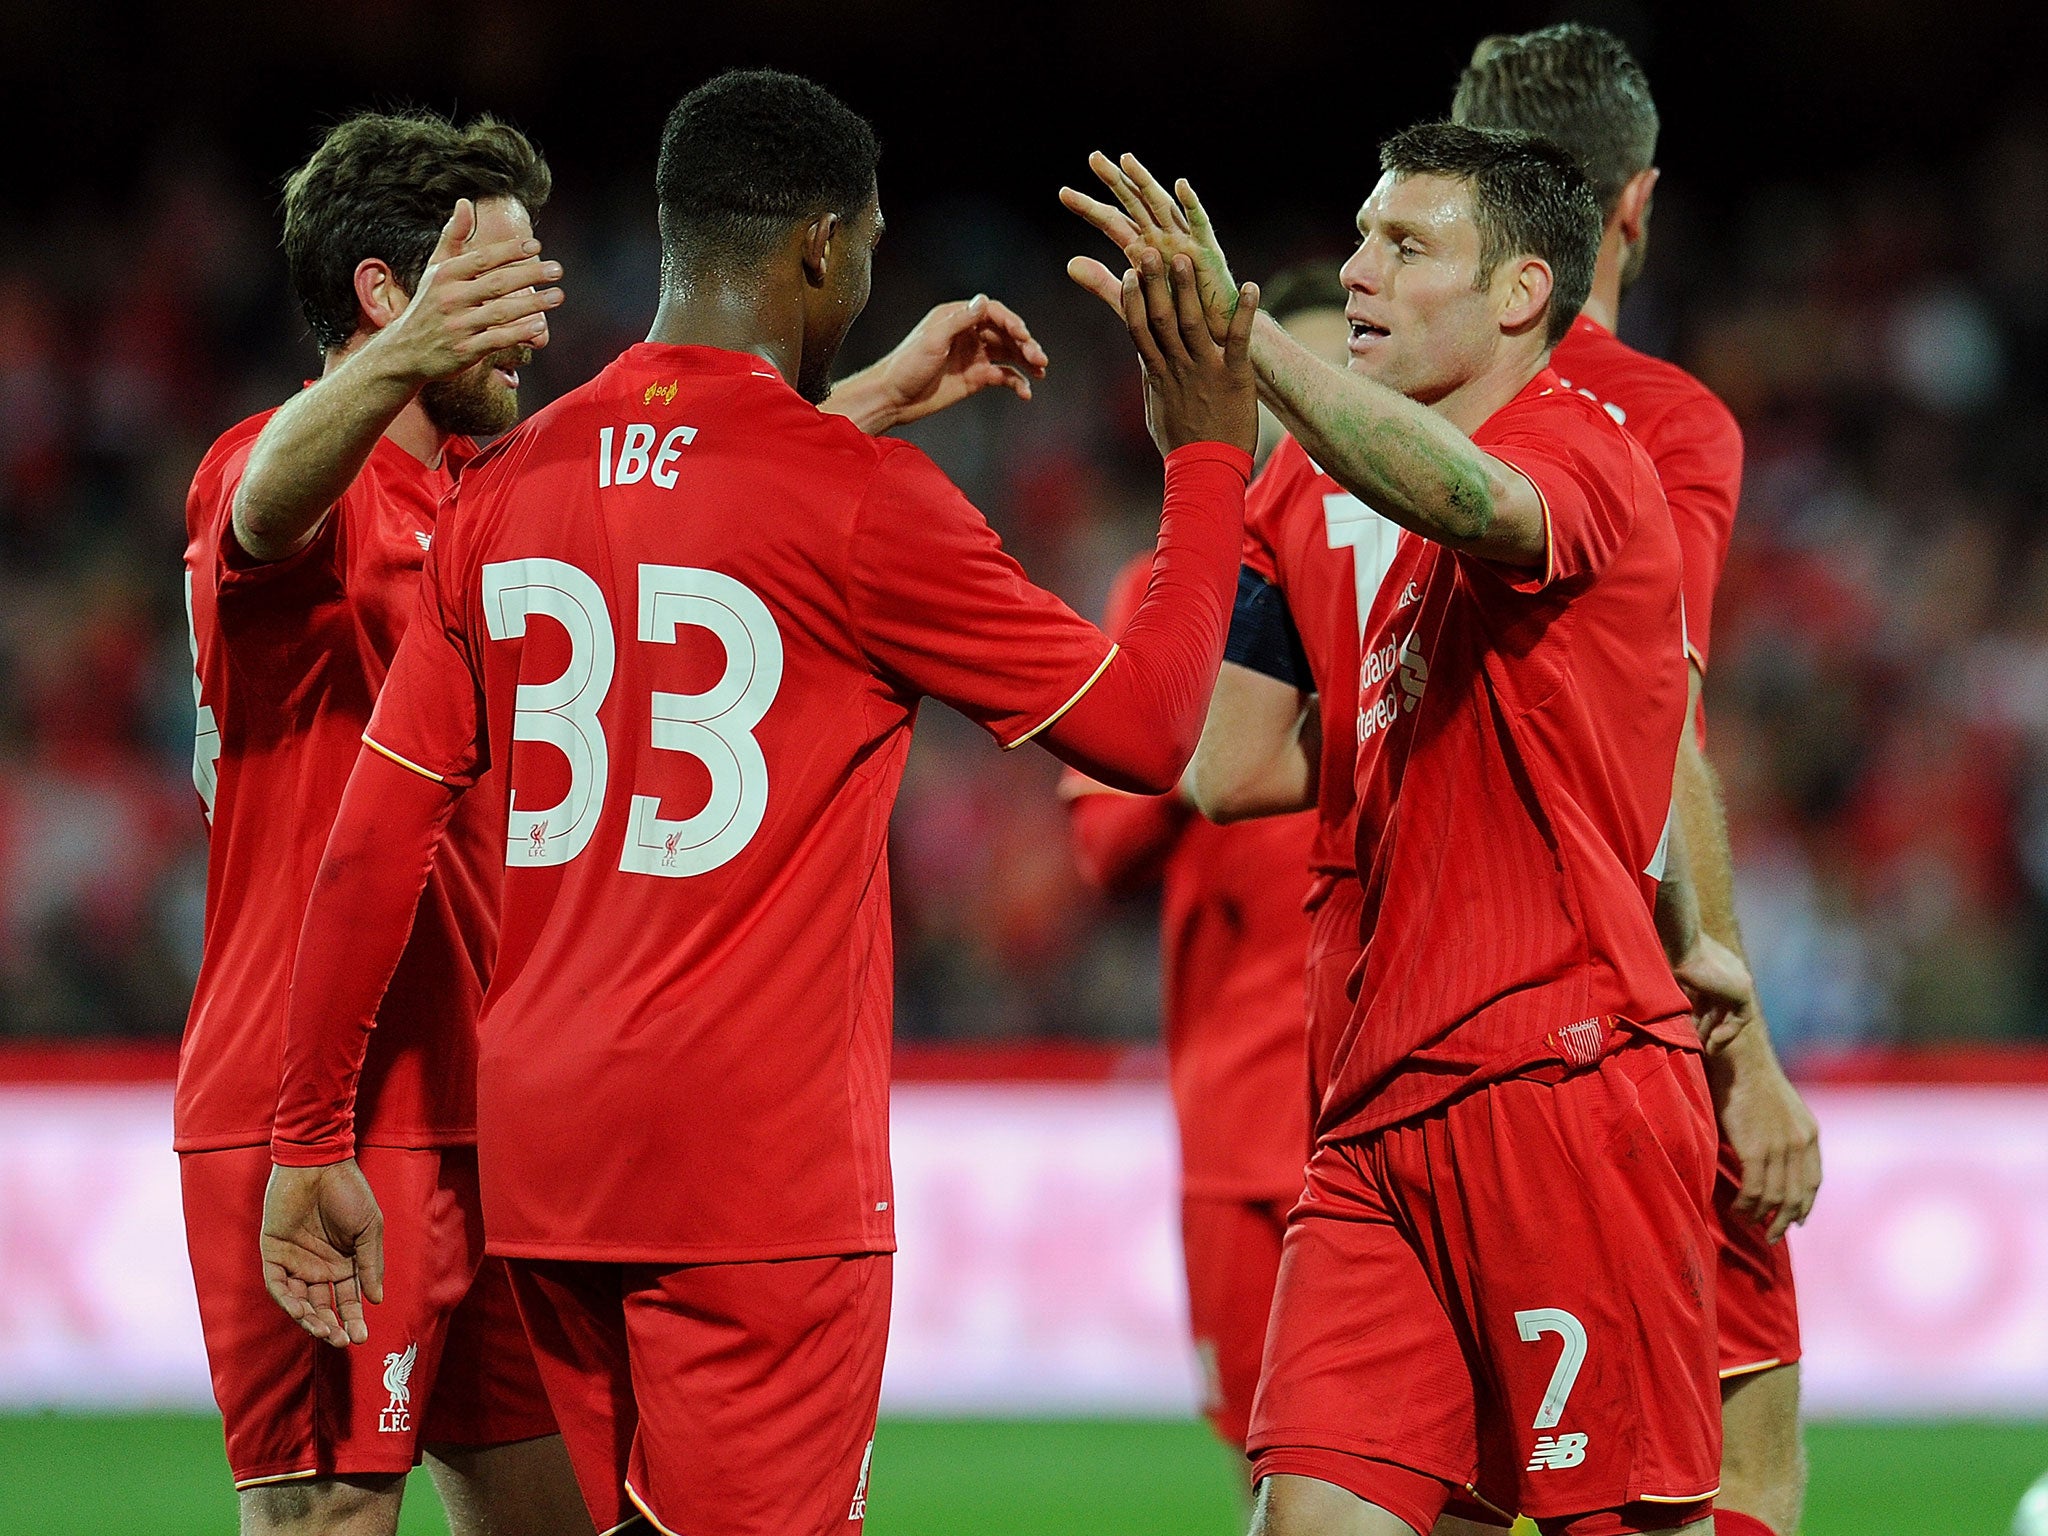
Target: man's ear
[
  {"x": 1632, "y": 212},
  {"x": 380, "y": 299},
  {"x": 818, "y": 248},
  {"x": 1526, "y": 296}
]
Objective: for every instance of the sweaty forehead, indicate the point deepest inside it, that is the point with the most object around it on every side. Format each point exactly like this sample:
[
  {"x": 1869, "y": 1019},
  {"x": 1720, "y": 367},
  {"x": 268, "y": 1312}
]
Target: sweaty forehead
[{"x": 1432, "y": 205}]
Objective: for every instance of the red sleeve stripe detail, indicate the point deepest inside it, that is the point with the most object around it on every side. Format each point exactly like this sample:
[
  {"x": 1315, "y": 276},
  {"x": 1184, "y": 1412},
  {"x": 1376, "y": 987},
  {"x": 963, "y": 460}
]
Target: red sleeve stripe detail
[
  {"x": 403, "y": 762},
  {"x": 1053, "y": 719}
]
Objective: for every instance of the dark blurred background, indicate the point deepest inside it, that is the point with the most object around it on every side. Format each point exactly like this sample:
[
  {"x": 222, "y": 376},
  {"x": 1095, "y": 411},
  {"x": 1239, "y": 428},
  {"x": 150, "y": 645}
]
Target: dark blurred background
[{"x": 1850, "y": 243}]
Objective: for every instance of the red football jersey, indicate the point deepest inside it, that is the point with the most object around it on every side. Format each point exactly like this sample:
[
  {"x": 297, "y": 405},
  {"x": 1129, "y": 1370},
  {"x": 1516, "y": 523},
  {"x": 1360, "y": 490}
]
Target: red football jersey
[
  {"x": 1233, "y": 949},
  {"x": 690, "y": 616},
  {"x": 1690, "y": 436},
  {"x": 1326, "y": 551},
  {"x": 287, "y": 658},
  {"x": 1517, "y": 732}
]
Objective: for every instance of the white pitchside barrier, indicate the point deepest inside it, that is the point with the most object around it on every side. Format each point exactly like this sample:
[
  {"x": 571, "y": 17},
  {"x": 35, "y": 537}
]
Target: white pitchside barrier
[{"x": 1039, "y": 1265}]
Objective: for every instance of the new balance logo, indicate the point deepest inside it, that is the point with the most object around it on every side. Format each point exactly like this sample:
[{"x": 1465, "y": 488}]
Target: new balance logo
[
  {"x": 859, "y": 1511},
  {"x": 1555, "y": 1451}
]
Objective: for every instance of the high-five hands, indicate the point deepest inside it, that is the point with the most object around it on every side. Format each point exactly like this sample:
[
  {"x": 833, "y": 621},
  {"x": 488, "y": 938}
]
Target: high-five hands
[
  {"x": 472, "y": 302},
  {"x": 1174, "y": 224},
  {"x": 323, "y": 1249},
  {"x": 1198, "y": 388}
]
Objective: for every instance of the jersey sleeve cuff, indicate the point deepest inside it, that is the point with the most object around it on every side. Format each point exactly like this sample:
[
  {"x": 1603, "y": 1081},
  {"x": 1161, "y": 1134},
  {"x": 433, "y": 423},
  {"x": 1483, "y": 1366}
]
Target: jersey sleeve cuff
[
  {"x": 404, "y": 762},
  {"x": 1520, "y": 578},
  {"x": 1079, "y": 693},
  {"x": 1213, "y": 453}
]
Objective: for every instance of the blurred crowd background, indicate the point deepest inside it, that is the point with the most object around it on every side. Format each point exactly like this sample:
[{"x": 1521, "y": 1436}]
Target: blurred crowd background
[{"x": 1852, "y": 259}]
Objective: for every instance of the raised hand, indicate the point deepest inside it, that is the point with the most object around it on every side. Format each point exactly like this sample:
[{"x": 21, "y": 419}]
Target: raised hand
[
  {"x": 1145, "y": 213},
  {"x": 957, "y": 350},
  {"x": 471, "y": 303},
  {"x": 1197, "y": 389},
  {"x": 323, "y": 1249}
]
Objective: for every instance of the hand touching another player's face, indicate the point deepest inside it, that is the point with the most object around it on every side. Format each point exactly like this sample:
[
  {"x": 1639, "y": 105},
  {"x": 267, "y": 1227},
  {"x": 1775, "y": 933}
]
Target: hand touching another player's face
[
  {"x": 1174, "y": 224},
  {"x": 1197, "y": 389},
  {"x": 473, "y": 302}
]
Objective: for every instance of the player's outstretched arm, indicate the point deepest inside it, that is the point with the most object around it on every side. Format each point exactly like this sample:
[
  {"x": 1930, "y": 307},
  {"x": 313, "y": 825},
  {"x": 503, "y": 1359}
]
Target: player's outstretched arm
[
  {"x": 957, "y": 350},
  {"x": 1259, "y": 748},
  {"x": 1772, "y": 1131},
  {"x": 1402, "y": 459},
  {"x": 471, "y": 303},
  {"x": 1136, "y": 725}
]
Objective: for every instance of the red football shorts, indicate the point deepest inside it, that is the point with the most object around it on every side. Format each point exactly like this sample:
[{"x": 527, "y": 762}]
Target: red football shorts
[
  {"x": 716, "y": 1399},
  {"x": 1755, "y": 1299},
  {"x": 1510, "y": 1301},
  {"x": 1232, "y": 1250},
  {"x": 1333, "y": 952},
  {"x": 446, "y": 1364}
]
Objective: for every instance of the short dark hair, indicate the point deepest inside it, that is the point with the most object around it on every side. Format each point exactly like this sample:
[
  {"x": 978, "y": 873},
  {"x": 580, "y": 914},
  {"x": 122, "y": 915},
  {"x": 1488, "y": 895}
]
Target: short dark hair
[
  {"x": 1306, "y": 285},
  {"x": 752, "y": 152},
  {"x": 383, "y": 185},
  {"x": 1579, "y": 87},
  {"x": 1529, "y": 198}
]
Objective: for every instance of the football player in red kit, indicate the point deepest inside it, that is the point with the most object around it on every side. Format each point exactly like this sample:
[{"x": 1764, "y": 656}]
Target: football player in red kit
[
  {"x": 686, "y": 618},
  {"x": 1232, "y": 946},
  {"x": 307, "y": 526},
  {"x": 1580, "y": 87},
  {"x": 1494, "y": 1293}
]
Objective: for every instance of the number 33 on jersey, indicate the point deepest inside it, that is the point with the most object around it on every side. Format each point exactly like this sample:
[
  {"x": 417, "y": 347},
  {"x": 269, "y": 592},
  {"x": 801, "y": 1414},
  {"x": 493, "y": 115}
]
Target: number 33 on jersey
[{"x": 714, "y": 726}]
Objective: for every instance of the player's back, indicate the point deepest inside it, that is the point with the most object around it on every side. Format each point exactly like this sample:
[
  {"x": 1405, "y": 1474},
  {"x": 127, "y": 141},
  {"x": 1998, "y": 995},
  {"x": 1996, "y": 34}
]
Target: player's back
[{"x": 704, "y": 613}]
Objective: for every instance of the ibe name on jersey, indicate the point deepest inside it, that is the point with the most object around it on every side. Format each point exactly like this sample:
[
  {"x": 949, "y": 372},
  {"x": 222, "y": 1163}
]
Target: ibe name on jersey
[{"x": 637, "y": 458}]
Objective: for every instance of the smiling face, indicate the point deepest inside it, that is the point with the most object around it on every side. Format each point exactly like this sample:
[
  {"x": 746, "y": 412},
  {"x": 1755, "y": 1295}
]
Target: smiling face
[
  {"x": 483, "y": 399},
  {"x": 1420, "y": 324}
]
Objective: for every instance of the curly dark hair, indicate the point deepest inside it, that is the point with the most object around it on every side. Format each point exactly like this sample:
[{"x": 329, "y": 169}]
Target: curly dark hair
[
  {"x": 383, "y": 185},
  {"x": 751, "y": 152},
  {"x": 1529, "y": 198},
  {"x": 1579, "y": 87}
]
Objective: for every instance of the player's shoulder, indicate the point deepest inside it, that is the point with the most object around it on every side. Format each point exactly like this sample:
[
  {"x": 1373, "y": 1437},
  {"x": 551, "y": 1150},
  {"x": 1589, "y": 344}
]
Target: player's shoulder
[
  {"x": 1548, "y": 407},
  {"x": 220, "y": 470},
  {"x": 231, "y": 448},
  {"x": 1638, "y": 389}
]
